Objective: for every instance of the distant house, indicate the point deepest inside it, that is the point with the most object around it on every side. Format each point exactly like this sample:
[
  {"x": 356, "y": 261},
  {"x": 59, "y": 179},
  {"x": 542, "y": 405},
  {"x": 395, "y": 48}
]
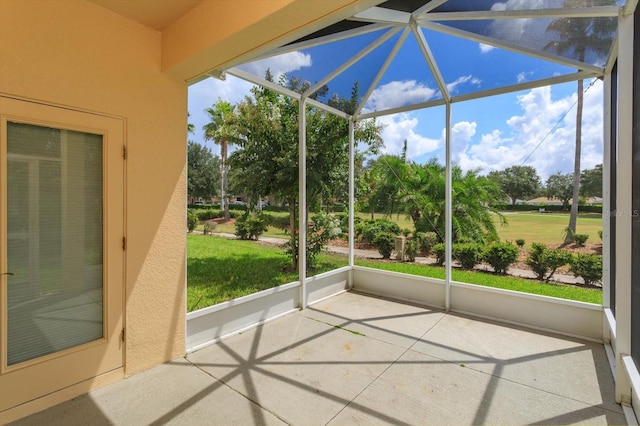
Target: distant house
[{"x": 544, "y": 201}]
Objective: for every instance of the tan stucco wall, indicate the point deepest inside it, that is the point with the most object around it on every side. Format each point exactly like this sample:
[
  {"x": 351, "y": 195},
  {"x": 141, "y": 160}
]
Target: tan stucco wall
[{"x": 74, "y": 53}]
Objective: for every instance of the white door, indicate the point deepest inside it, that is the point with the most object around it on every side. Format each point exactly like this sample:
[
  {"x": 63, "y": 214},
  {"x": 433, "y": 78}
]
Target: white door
[{"x": 61, "y": 254}]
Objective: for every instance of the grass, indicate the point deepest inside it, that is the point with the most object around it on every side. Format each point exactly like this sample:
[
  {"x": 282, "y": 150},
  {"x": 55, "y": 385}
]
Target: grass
[
  {"x": 546, "y": 228},
  {"x": 231, "y": 229},
  {"x": 491, "y": 280},
  {"x": 219, "y": 269}
]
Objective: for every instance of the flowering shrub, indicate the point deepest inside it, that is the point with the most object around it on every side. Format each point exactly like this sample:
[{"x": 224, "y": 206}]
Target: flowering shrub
[{"x": 325, "y": 228}]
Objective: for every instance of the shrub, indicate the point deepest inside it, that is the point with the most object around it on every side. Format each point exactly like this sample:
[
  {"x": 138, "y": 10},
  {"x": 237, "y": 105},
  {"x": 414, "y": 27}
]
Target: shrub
[
  {"x": 500, "y": 256},
  {"x": 208, "y": 214},
  {"x": 385, "y": 242},
  {"x": 587, "y": 266},
  {"x": 580, "y": 239},
  {"x": 280, "y": 222},
  {"x": 438, "y": 250},
  {"x": 240, "y": 207},
  {"x": 405, "y": 232},
  {"x": 325, "y": 227},
  {"x": 250, "y": 225},
  {"x": 520, "y": 242},
  {"x": 426, "y": 241},
  {"x": 192, "y": 220},
  {"x": 544, "y": 261},
  {"x": 600, "y": 234},
  {"x": 372, "y": 228},
  {"x": 411, "y": 249},
  {"x": 343, "y": 218},
  {"x": 468, "y": 254},
  {"x": 209, "y": 226}
]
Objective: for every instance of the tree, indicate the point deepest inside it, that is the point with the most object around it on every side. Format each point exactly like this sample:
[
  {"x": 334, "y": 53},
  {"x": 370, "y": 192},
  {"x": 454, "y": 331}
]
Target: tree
[
  {"x": 386, "y": 175},
  {"x": 191, "y": 128},
  {"x": 203, "y": 173},
  {"x": 560, "y": 187},
  {"x": 518, "y": 182},
  {"x": 423, "y": 197},
  {"x": 591, "y": 182},
  {"x": 222, "y": 132},
  {"x": 580, "y": 35},
  {"x": 267, "y": 154}
]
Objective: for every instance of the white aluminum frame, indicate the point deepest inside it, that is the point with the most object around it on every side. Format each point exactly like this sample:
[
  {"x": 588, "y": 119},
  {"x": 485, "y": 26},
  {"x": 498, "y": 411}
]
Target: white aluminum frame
[
  {"x": 302, "y": 204},
  {"x": 624, "y": 205}
]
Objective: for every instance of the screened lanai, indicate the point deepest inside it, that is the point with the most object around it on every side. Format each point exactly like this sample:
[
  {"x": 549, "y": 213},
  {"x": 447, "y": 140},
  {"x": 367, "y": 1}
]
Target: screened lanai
[
  {"x": 413, "y": 55},
  {"x": 400, "y": 54},
  {"x": 324, "y": 349}
]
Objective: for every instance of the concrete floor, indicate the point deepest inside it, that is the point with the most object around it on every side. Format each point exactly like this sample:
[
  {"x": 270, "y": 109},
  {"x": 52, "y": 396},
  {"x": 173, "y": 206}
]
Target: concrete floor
[{"x": 355, "y": 359}]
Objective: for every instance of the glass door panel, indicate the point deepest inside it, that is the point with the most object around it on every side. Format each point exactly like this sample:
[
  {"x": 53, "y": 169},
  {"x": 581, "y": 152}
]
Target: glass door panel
[{"x": 54, "y": 240}]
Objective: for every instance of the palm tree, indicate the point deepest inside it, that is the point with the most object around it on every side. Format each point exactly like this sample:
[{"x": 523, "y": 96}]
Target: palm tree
[
  {"x": 473, "y": 197},
  {"x": 387, "y": 174},
  {"x": 580, "y": 35},
  {"x": 222, "y": 132}
]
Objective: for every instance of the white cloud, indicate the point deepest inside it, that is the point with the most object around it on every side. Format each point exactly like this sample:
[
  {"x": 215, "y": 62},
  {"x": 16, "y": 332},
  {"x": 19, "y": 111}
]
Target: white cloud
[
  {"x": 398, "y": 93},
  {"x": 485, "y": 48},
  {"x": 523, "y": 76},
  {"x": 524, "y": 5},
  {"x": 528, "y": 136},
  {"x": 401, "y": 127},
  {"x": 451, "y": 87},
  {"x": 278, "y": 65},
  {"x": 520, "y": 30}
]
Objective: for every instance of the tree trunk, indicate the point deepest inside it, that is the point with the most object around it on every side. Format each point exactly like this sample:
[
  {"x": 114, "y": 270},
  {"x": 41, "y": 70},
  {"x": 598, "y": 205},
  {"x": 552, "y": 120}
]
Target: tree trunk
[
  {"x": 573, "y": 217},
  {"x": 223, "y": 177},
  {"x": 293, "y": 233}
]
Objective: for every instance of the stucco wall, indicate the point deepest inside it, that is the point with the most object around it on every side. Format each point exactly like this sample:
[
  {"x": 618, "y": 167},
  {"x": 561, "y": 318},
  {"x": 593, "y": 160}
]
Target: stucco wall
[{"x": 76, "y": 54}]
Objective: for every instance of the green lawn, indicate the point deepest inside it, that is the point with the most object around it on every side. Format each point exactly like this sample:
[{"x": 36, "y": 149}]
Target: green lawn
[
  {"x": 219, "y": 269},
  {"x": 231, "y": 229},
  {"x": 547, "y": 228}
]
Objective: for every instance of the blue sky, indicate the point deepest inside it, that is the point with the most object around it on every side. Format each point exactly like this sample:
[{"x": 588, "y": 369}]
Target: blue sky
[{"x": 488, "y": 134}]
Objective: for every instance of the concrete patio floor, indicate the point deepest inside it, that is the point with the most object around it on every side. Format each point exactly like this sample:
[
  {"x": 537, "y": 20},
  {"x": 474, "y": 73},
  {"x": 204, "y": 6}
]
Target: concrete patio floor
[{"x": 356, "y": 359}]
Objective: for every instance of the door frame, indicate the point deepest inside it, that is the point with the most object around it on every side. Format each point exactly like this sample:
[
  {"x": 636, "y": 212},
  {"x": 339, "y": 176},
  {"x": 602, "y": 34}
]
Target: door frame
[{"x": 32, "y": 385}]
